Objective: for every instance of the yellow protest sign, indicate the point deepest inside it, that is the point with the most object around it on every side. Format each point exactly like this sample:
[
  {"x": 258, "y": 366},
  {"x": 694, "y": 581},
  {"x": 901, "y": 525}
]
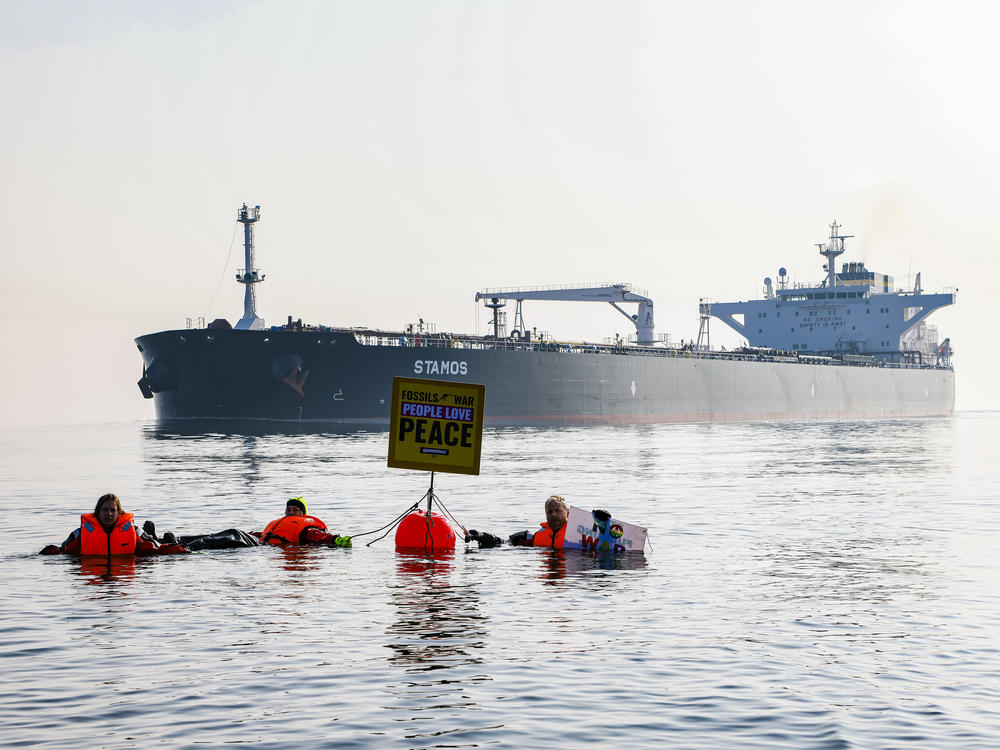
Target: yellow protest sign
[{"x": 436, "y": 425}]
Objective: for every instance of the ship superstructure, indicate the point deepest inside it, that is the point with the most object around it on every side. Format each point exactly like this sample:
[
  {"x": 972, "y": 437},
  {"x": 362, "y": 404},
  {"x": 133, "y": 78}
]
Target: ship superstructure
[{"x": 854, "y": 312}]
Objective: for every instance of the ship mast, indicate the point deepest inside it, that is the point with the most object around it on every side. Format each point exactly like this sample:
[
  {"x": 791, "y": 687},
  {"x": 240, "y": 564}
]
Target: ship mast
[
  {"x": 248, "y": 275},
  {"x": 831, "y": 251}
]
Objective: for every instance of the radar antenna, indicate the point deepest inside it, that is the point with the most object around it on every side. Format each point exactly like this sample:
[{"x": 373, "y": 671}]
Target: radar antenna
[{"x": 830, "y": 251}]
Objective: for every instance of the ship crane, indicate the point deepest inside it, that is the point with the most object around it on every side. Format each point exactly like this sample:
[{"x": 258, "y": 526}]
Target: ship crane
[{"x": 613, "y": 294}]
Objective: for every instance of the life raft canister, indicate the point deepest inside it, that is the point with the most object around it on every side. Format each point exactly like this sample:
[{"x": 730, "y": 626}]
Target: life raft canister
[
  {"x": 416, "y": 532},
  {"x": 288, "y": 529},
  {"x": 94, "y": 541}
]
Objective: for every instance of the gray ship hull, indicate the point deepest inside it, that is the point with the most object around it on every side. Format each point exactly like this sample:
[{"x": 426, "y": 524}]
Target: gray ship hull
[{"x": 342, "y": 377}]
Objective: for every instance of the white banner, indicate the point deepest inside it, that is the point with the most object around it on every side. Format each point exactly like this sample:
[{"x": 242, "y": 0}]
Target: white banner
[{"x": 584, "y": 531}]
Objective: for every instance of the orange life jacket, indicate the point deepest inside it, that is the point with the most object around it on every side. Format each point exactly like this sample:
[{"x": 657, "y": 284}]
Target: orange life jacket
[
  {"x": 544, "y": 537},
  {"x": 94, "y": 540},
  {"x": 288, "y": 529}
]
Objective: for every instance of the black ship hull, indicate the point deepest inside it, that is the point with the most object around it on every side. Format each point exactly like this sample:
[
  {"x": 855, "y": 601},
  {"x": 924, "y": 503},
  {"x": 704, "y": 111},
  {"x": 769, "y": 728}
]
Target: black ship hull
[{"x": 338, "y": 376}]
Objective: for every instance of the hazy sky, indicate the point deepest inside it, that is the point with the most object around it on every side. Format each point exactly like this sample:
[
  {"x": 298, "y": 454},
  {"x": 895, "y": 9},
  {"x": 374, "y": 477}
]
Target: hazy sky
[{"x": 407, "y": 154}]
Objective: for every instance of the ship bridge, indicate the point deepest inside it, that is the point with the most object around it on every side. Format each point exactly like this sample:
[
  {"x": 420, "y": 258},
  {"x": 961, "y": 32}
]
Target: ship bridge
[{"x": 855, "y": 311}]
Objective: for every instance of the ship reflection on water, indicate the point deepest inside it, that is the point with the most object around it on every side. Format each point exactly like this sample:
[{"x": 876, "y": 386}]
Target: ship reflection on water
[{"x": 214, "y": 428}]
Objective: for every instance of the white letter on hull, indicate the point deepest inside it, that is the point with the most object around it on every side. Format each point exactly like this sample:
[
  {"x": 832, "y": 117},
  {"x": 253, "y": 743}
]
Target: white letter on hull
[{"x": 443, "y": 367}]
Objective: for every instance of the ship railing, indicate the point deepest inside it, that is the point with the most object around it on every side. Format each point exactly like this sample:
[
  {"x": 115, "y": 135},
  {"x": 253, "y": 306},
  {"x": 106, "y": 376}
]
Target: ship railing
[
  {"x": 558, "y": 287},
  {"x": 449, "y": 341}
]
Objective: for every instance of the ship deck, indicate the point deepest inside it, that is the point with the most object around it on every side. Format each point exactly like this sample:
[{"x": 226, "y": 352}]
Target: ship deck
[{"x": 375, "y": 337}]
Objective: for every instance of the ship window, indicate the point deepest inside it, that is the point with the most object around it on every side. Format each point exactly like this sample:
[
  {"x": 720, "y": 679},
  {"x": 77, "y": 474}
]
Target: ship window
[
  {"x": 796, "y": 313},
  {"x": 761, "y": 330},
  {"x": 778, "y": 315},
  {"x": 810, "y": 296},
  {"x": 868, "y": 311},
  {"x": 841, "y": 295},
  {"x": 791, "y": 330}
]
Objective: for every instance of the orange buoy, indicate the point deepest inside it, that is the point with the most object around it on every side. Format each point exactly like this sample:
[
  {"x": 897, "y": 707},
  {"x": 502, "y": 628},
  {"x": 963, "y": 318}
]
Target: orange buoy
[{"x": 415, "y": 532}]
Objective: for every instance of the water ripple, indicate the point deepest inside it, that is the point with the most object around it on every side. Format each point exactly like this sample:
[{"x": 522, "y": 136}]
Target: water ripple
[{"x": 814, "y": 585}]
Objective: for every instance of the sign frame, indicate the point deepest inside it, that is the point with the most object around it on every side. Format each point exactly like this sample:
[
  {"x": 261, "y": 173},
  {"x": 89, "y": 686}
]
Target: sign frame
[{"x": 427, "y": 402}]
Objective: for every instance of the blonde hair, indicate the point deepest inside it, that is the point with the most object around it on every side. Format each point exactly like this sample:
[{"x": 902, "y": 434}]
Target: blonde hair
[{"x": 557, "y": 500}]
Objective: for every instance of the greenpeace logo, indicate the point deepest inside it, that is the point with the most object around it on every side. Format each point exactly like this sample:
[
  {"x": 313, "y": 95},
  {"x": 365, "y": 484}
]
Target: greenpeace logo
[{"x": 440, "y": 367}]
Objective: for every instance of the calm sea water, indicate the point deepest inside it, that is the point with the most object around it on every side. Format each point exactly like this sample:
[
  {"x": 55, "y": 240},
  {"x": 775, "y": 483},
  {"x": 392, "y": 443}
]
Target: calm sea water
[{"x": 813, "y": 585}]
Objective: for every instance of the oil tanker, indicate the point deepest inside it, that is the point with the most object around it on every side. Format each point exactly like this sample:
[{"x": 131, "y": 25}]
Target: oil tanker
[{"x": 848, "y": 347}]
